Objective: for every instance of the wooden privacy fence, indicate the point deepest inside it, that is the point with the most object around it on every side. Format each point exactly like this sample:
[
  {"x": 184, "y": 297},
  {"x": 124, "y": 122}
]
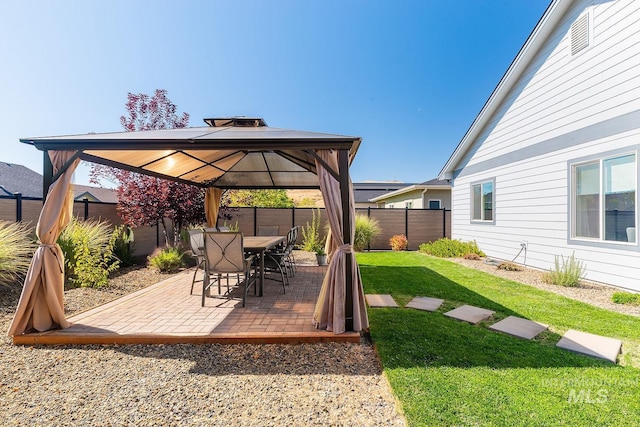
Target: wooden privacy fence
[
  {"x": 419, "y": 225},
  {"x": 27, "y": 209}
]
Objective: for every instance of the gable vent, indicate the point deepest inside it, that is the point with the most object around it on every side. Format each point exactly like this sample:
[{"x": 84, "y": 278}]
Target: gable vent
[{"x": 580, "y": 34}]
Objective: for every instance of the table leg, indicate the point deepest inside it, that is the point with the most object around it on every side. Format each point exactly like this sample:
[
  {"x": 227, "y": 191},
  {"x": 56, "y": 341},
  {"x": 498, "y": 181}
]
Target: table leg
[{"x": 261, "y": 273}]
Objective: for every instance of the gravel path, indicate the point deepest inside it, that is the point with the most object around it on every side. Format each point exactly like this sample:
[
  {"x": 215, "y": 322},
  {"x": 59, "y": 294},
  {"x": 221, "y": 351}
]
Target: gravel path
[{"x": 329, "y": 384}]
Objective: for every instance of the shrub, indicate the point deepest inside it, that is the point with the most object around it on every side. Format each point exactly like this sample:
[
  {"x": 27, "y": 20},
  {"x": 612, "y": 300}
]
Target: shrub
[
  {"x": 16, "y": 251},
  {"x": 625, "y": 298},
  {"x": 472, "y": 256},
  {"x": 311, "y": 239},
  {"x": 566, "y": 272},
  {"x": 123, "y": 245},
  {"x": 447, "y": 248},
  {"x": 167, "y": 259},
  {"x": 398, "y": 242},
  {"x": 367, "y": 229},
  {"x": 88, "y": 252},
  {"x": 509, "y": 266}
]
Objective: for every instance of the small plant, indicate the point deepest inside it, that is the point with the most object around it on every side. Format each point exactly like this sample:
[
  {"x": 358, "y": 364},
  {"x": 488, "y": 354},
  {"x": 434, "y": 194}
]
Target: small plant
[
  {"x": 398, "y": 242},
  {"x": 367, "y": 229},
  {"x": 88, "y": 252},
  {"x": 446, "y": 248},
  {"x": 234, "y": 228},
  {"x": 566, "y": 272},
  {"x": 319, "y": 250},
  {"x": 625, "y": 298},
  {"x": 509, "y": 266},
  {"x": 311, "y": 239},
  {"x": 16, "y": 250},
  {"x": 123, "y": 246},
  {"x": 167, "y": 259},
  {"x": 472, "y": 256}
]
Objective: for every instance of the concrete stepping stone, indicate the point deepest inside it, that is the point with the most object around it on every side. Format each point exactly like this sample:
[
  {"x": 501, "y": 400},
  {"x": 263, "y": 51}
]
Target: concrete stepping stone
[
  {"x": 469, "y": 313},
  {"x": 380, "y": 300},
  {"x": 425, "y": 303},
  {"x": 591, "y": 345},
  {"x": 519, "y": 327}
]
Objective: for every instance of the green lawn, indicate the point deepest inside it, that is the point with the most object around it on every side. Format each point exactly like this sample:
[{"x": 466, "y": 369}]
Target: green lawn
[{"x": 447, "y": 372}]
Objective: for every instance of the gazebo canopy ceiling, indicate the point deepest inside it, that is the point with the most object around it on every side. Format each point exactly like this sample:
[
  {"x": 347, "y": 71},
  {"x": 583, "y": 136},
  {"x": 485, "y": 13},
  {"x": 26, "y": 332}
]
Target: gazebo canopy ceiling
[{"x": 237, "y": 152}]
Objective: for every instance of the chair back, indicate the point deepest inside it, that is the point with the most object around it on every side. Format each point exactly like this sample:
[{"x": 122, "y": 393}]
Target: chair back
[
  {"x": 196, "y": 241},
  {"x": 268, "y": 230},
  {"x": 224, "y": 252}
]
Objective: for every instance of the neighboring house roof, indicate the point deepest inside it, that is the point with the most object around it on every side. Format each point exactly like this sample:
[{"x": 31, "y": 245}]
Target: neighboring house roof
[
  {"x": 19, "y": 179},
  {"x": 94, "y": 194},
  {"x": 432, "y": 184},
  {"x": 536, "y": 40},
  {"x": 364, "y": 192}
]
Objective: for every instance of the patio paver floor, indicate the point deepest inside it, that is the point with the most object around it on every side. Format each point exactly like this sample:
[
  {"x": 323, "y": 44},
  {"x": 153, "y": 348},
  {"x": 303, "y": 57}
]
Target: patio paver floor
[{"x": 166, "y": 313}]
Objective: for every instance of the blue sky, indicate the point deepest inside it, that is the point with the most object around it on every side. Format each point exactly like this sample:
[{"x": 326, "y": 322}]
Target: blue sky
[{"x": 408, "y": 77}]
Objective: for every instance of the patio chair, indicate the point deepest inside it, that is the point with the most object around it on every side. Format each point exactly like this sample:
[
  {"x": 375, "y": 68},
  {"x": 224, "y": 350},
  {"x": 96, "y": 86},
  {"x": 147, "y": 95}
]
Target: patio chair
[
  {"x": 224, "y": 255},
  {"x": 196, "y": 241}
]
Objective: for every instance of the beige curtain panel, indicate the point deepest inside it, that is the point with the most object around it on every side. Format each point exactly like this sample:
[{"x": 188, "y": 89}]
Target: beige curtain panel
[
  {"x": 41, "y": 305},
  {"x": 212, "y": 197},
  {"x": 329, "y": 312}
]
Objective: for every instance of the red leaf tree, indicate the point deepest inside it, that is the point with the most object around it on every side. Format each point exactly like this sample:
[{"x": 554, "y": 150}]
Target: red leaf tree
[{"x": 145, "y": 200}]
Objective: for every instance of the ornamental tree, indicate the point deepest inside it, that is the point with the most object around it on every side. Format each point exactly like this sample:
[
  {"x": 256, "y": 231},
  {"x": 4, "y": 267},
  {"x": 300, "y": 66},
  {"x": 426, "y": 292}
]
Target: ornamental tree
[{"x": 145, "y": 200}]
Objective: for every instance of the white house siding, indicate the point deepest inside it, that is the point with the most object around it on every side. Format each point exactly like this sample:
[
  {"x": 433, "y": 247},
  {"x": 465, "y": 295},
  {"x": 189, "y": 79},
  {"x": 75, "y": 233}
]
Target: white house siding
[{"x": 563, "y": 108}]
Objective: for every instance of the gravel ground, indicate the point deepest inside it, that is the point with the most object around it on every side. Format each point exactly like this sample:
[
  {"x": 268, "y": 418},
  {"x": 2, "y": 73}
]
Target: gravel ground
[
  {"x": 328, "y": 384},
  {"x": 266, "y": 385},
  {"x": 589, "y": 292}
]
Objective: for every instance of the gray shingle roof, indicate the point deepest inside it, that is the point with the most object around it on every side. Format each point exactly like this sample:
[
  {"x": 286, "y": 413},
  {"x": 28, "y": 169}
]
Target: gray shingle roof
[{"x": 19, "y": 179}]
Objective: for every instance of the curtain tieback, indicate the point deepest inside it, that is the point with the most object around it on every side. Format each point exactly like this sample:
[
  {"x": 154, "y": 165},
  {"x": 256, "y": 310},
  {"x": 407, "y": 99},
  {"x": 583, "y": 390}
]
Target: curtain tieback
[
  {"x": 55, "y": 250},
  {"x": 346, "y": 248}
]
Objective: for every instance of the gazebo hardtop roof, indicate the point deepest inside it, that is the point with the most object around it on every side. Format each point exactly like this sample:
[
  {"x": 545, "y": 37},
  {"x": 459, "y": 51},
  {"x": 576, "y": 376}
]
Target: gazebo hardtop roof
[{"x": 230, "y": 153}]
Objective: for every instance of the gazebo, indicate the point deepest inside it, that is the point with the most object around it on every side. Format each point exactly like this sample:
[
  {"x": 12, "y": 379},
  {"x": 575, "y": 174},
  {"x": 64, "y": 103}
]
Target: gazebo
[{"x": 228, "y": 153}]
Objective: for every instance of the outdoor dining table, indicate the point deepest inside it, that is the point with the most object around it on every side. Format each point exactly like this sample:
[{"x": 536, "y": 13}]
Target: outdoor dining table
[{"x": 259, "y": 245}]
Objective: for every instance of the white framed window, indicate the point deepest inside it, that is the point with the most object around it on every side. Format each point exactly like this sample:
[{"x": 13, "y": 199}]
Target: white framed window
[
  {"x": 435, "y": 204},
  {"x": 604, "y": 199},
  {"x": 483, "y": 201}
]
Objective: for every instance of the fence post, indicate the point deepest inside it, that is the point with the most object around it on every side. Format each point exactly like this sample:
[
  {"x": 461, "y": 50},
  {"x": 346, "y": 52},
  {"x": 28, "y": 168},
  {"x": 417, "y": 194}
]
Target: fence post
[
  {"x": 18, "y": 206},
  {"x": 293, "y": 216},
  {"x": 406, "y": 222},
  {"x": 86, "y": 208},
  {"x": 255, "y": 221},
  {"x": 444, "y": 222},
  {"x": 369, "y": 216}
]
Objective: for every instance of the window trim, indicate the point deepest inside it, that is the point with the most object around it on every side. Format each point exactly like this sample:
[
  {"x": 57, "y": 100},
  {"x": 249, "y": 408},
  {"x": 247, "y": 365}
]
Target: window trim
[
  {"x": 493, "y": 202},
  {"x": 571, "y": 201},
  {"x": 434, "y": 200}
]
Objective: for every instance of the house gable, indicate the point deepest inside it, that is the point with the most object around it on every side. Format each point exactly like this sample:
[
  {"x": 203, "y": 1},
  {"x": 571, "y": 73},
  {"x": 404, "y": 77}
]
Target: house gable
[{"x": 564, "y": 100}]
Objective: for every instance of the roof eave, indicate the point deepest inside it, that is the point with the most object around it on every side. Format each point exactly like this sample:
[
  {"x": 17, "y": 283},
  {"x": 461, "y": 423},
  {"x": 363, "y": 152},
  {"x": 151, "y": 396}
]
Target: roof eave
[{"x": 555, "y": 11}]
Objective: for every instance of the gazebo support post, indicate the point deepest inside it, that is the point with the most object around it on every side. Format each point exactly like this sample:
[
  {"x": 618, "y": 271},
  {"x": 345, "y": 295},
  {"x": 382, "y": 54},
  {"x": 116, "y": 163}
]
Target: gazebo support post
[
  {"x": 47, "y": 174},
  {"x": 343, "y": 166}
]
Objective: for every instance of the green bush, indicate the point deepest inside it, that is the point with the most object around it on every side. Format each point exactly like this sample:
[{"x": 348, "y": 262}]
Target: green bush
[
  {"x": 311, "y": 240},
  {"x": 16, "y": 251},
  {"x": 123, "y": 245},
  {"x": 367, "y": 229},
  {"x": 625, "y": 298},
  {"x": 167, "y": 259},
  {"x": 447, "y": 248},
  {"x": 88, "y": 252},
  {"x": 566, "y": 272}
]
